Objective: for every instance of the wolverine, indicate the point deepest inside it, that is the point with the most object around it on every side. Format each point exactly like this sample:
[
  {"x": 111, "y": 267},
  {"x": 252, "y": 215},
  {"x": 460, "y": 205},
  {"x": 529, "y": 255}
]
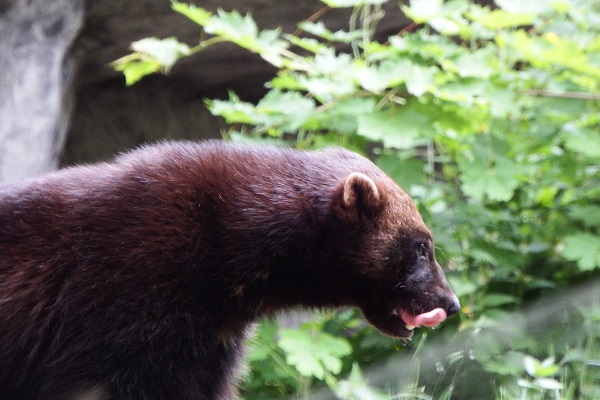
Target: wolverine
[{"x": 140, "y": 278}]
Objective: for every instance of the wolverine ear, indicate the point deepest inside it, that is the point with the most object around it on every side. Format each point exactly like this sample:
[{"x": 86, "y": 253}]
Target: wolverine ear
[{"x": 358, "y": 196}]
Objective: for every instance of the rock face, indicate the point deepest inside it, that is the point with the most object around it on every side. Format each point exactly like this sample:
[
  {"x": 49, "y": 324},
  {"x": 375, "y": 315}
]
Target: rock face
[
  {"x": 36, "y": 68},
  {"x": 60, "y": 103}
]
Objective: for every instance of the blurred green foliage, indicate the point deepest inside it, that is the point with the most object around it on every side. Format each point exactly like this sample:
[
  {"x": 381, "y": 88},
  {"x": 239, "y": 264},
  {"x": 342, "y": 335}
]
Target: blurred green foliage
[{"x": 490, "y": 120}]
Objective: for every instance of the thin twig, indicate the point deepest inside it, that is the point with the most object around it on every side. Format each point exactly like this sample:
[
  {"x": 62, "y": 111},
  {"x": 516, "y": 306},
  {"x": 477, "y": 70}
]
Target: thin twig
[
  {"x": 564, "y": 95},
  {"x": 409, "y": 28},
  {"x": 313, "y": 18}
]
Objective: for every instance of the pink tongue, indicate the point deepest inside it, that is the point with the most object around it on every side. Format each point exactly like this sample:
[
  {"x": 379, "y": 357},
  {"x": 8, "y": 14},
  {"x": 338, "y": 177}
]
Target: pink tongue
[{"x": 431, "y": 318}]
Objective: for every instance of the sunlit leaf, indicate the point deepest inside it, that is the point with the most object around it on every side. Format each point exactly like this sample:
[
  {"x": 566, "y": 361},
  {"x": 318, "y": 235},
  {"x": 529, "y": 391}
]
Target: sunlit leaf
[
  {"x": 500, "y": 19},
  {"x": 310, "y": 44},
  {"x": 582, "y": 140},
  {"x": 356, "y": 387},
  {"x": 496, "y": 182},
  {"x": 527, "y": 7},
  {"x": 313, "y": 356},
  {"x": 420, "y": 79},
  {"x": 319, "y": 29},
  {"x": 583, "y": 248},
  {"x": 424, "y": 10},
  {"x": 549, "y": 384},
  {"x": 474, "y": 64},
  {"x": 196, "y": 14},
  {"x": 445, "y": 17},
  {"x": 136, "y": 70},
  {"x": 351, "y": 3},
  {"x": 165, "y": 51},
  {"x": 490, "y": 174},
  {"x": 405, "y": 172},
  {"x": 235, "y": 111},
  {"x": 546, "y": 53},
  {"x": 398, "y": 128}
]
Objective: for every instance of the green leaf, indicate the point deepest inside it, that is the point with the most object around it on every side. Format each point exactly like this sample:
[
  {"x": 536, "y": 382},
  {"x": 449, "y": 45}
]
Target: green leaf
[
  {"x": 500, "y": 19},
  {"x": 539, "y": 369},
  {"x": 550, "y": 51},
  {"x": 310, "y": 44},
  {"x": 376, "y": 78},
  {"x": 233, "y": 25},
  {"x": 583, "y": 248},
  {"x": 461, "y": 286},
  {"x": 496, "y": 182},
  {"x": 196, "y": 14},
  {"x": 474, "y": 64},
  {"x": 329, "y": 63},
  {"x": 134, "y": 71},
  {"x": 387, "y": 127},
  {"x": 298, "y": 345},
  {"x": 243, "y": 31},
  {"x": 547, "y": 195},
  {"x": 489, "y": 173},
  {"x": 391, "y": 73},
  {"x": 510, "y": 364},
  {"x": 549, "y": 384},
  {"x": 405, "y": 171},
  {"x": 424, "y": 10},
  {"x": 526, "y": 7},
  {"x": 481, "y": 91},
  {"x": 263, "y": 342},
  {"x": 150, "y": 55},
  {"x": 313, "y": 356},
  {"x": 234, "y": 110},
  {"x": 341, "y": 117},
  {"x": 582, "y": 140},
  {"x": 287, "y": 80},
  {"x": 589, "y": 215},
  {"x": 399, "y": 128},
  {"x": 356, "y": 387},
  {"x": 165, "y": 51},
  {"x": 289, "y": 103},
  {"x": 445, "y": 17},
  {"x": 497, "y": 253},
  {"x": 287, "y": 110},
  {"x": 355, "y": 105},
  {"x": 493, "y": 300},
  {"x": 351, "y": 3},
  {"x": 319, "y": 29},
  {"x": 420, "y": 79},
  {"x": 330, "y": 76},
  {"x": 326, "y": 89}
]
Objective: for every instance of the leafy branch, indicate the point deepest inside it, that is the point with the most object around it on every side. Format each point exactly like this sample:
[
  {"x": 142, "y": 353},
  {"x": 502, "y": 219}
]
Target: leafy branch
[{"x": 488, "y": 118}]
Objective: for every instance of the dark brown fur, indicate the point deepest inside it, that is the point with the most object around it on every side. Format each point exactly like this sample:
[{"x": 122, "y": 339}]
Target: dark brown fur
[{"x": 138, "y": 279}]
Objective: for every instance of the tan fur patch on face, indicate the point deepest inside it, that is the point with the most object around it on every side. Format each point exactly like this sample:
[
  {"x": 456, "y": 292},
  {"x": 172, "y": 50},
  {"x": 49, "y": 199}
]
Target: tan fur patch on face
[
  {"x": 400, "y": 212},
  {"x": 399, "y": 217}
]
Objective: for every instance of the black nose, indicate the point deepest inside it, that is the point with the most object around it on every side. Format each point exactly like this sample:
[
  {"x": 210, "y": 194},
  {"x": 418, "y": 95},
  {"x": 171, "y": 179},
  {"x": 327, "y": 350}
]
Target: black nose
[{"x": 453, "y": 308}]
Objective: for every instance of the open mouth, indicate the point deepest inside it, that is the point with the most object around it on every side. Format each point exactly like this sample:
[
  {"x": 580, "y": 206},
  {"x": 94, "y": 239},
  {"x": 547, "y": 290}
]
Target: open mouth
[
  {"x": 399, "y": 322},
  {"x": 429, "y": 319}
]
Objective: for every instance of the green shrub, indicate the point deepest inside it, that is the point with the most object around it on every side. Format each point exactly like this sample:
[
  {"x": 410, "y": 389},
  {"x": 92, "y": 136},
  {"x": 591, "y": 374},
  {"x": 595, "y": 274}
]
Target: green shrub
[{"x": 490, "y": 119}]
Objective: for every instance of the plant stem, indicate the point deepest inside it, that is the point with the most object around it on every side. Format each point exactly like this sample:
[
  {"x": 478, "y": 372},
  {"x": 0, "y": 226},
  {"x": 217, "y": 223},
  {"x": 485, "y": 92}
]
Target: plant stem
[{"x": 564, "y": 95}]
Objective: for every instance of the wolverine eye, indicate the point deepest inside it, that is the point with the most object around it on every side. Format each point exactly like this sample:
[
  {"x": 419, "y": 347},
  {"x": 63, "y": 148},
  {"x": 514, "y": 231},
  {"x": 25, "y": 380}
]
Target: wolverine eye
[{"x": 422, "y": 252}]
